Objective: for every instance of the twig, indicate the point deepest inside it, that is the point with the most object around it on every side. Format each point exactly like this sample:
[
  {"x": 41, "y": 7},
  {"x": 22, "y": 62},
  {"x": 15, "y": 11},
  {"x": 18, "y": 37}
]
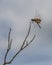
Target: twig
[
  {"x": 29, "y": 42},
  {"x": 9, "y": 46},
  {"x": 22, "y": 47},
  {"x": 26, "y": 35}
]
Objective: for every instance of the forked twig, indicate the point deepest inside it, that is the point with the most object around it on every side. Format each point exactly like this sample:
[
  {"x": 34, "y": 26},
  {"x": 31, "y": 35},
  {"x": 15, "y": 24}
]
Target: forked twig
[
  {"x": 22, "y": 47},
  {"x": 9, "y": 47},
  {"x": 26, "y": 36}
]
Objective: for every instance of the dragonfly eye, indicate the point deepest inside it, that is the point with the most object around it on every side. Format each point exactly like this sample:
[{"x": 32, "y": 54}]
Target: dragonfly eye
[{"x": 33, "y": 19}]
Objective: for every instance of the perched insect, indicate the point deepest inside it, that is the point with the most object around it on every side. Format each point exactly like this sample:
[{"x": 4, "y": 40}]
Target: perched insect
[{"x": 36, "y": 20}]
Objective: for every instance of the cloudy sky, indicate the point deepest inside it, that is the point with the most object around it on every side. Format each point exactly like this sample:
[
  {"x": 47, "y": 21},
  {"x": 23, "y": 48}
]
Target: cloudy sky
[{"x": 16, "y": 14}]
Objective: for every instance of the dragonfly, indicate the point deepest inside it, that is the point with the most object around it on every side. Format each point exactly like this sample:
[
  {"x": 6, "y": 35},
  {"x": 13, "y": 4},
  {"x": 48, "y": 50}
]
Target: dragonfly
[{"x": 37, "y": 20}]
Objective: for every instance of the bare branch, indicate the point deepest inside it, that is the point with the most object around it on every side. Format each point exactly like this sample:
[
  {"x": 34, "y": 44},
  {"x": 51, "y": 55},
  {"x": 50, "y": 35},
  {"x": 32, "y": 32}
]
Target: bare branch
[
  {"x": 9, "y": 39},
  {"x": 29, "y": 42},
  {"x": 22, "y": 47},
  {"x": 26, "y": 36},
  {"x": 9, "y": 46},
  {"x": 9, "y": 36}
]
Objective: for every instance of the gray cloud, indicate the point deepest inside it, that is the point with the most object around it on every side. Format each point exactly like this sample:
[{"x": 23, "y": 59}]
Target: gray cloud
[{"x": 17, "y": 14}]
